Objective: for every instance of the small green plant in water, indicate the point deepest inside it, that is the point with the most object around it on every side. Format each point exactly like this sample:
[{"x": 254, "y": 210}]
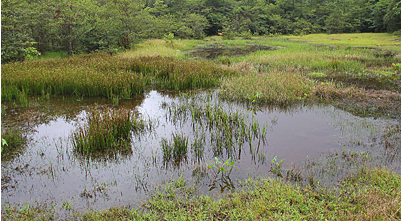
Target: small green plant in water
[
  {"x": 218, "y": 168},
  {"x": 276, "y": 166},
  {"x": 3, "y": 143}
]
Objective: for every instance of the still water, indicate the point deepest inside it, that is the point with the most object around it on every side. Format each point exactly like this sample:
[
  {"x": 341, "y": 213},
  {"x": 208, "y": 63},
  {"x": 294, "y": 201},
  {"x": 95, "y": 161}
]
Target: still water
[{"x": 47, "y": 169}]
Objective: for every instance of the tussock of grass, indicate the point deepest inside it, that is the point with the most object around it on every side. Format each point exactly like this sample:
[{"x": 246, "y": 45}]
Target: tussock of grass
[
  {"x": 106, "y": 129},
  {"x": 274, "y": 87},
  {"x": 175, "y": 149},
  {"x": 329, "y": 90}
]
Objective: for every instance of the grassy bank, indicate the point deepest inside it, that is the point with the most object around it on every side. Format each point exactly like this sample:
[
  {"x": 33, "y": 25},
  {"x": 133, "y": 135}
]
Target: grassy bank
[
  {"x": 104, "y": 75},
  {"x": 367, "y": 195},
  {"x": 278, "y": 75}
]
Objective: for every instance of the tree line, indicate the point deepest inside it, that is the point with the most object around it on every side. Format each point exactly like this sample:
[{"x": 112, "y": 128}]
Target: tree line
[{"x": 31, "y": 27}]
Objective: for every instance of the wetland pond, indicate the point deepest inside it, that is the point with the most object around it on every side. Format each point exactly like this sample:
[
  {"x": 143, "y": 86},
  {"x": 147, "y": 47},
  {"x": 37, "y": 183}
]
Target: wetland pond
[{"x": 48, "y": 169}]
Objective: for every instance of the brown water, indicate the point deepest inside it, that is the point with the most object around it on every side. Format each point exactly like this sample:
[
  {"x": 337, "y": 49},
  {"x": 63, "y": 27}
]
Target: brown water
[{"x": 48, "y": 170}]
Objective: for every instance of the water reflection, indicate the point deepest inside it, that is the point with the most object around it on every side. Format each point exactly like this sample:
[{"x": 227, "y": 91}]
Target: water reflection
[{"x": 250, "y": 137}]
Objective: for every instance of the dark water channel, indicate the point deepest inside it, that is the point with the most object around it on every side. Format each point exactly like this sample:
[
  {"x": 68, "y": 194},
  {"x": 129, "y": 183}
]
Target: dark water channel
[{"x": 48, "y": 170}]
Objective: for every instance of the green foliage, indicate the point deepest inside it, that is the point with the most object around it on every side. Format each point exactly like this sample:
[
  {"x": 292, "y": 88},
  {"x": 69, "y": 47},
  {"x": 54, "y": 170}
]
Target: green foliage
[
  {"x": 3, "y": 143},
  {"x": 169, "y": 39},
  {"x": 105, "y": 130},
  {"x": 276, "y": 166},
  {"x": 89, "y": 26},
  {"x": 218, "y": 167},
  {"x": 175, "y": 149}
]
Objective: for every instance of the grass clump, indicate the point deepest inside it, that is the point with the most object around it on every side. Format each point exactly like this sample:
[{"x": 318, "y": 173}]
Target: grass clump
[
  {"x": 275, "y": 87},
  {"x": 105, "y": 129},
  {"x": 175, "y": 149}
]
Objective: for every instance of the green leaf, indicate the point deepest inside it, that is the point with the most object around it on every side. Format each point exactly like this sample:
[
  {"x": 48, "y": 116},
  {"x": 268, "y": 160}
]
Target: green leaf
[
  {"x": 4, "y": 142},
  {"x": 232, "y": 163},
  {"x": 227, "y": 161},
  {"x": 217, "y": 160}
]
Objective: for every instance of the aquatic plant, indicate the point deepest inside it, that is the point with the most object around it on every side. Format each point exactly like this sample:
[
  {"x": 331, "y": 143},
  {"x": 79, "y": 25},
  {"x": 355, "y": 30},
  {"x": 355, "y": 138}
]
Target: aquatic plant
[
  {"x": 218, "y": 167},
  {"x": 276, "y": 166},
  {"x": 175, "y": 149},
  {"x": 106, "y": 129}
]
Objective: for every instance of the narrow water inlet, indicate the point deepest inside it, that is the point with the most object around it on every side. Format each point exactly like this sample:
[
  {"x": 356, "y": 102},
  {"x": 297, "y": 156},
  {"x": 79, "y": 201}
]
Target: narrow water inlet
[{"x": 48, "y": 170}]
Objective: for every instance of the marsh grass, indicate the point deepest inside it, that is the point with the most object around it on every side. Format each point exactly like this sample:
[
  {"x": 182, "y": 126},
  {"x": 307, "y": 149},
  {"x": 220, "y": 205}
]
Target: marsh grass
[
  {"x": 175, "y": 149},
  {"x": 103, "y": 75},
  {"x": 307, "y": 58},
  {"x": 228, "y": 131},
  {"x": 382, "y": 40},
  {"x": 106, "y": 130},
  {"x": 15, "y": 139},
  {"x": 275, "y": 87},
  {"x": 170, "y": 73},
  {"x": 83, "y": 75}
]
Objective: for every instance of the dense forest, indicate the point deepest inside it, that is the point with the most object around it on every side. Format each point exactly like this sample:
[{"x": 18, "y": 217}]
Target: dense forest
[{"x": 80, "y": 26}]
